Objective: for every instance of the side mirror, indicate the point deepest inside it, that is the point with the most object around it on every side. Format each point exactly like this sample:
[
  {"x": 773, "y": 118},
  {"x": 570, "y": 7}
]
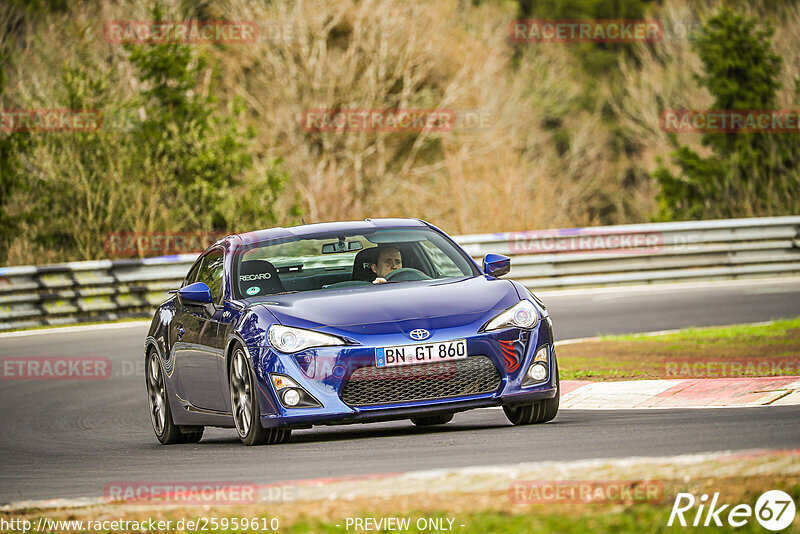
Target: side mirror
[
  {"x": 496, "y": 264},
  {"x": 197, "y": 294}
]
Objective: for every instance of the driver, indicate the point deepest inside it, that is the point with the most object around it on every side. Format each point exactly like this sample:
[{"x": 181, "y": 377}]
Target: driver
[{"x": 387, "y": 260}]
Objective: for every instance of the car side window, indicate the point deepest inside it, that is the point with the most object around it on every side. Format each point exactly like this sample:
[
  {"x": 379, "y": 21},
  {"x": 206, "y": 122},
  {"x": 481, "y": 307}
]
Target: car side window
[
  {"x": 192, "y": 276},
  {"x": 211, "y": 272}
]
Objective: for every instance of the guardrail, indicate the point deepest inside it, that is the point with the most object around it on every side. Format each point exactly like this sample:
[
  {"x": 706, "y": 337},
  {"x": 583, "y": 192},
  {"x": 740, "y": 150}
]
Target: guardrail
[{"x": 543, "y": 259}]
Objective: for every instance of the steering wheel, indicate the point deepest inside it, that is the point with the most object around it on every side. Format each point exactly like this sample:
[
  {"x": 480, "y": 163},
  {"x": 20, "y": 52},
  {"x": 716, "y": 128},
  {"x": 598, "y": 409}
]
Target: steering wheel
[{"x": 406, "y": 274}]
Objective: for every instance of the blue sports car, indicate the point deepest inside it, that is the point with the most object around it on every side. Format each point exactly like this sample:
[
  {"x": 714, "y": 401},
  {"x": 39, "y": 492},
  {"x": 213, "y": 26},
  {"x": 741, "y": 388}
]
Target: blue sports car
[{"x": 346, "y": 322}]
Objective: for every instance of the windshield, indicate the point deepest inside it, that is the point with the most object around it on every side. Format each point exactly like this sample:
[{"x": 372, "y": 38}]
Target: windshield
[{"x": 341, "y": 260}]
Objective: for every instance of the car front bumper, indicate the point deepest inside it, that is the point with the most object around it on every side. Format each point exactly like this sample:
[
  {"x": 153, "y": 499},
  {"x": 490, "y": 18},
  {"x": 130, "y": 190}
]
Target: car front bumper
[{"x": 323, "y": 373}]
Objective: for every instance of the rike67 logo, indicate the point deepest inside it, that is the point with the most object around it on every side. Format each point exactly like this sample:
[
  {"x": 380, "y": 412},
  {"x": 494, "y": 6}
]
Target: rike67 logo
[{"x": 774, "y": 510}]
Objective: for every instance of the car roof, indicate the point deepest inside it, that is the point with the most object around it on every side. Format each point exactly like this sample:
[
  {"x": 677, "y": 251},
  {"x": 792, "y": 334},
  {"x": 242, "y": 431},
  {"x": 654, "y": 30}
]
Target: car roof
[{"x": 322, "y": 228}]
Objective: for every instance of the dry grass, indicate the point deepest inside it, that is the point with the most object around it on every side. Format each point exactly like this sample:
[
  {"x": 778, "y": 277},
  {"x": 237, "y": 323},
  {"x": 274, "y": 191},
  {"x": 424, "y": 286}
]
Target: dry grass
[
  {"x": 663, "y": 77},
  {"x": 555, "y": 151}
]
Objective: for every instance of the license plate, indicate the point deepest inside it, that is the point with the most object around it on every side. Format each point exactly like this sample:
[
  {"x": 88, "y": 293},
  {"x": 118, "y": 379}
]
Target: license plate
[{"x": 420, "y": 353}]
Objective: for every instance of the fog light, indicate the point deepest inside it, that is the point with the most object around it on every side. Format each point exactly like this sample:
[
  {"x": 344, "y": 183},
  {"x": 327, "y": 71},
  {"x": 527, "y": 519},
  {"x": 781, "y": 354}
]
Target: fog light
[
  {"x": 537, "y": 372},
  {"x": 291, "y": 397},
  {"x": 291, "y": 394}
]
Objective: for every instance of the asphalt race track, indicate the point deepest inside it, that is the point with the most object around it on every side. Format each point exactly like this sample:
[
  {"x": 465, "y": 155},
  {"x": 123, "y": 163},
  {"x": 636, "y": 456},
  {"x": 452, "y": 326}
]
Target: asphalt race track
[{"x": 69, "y": 439}]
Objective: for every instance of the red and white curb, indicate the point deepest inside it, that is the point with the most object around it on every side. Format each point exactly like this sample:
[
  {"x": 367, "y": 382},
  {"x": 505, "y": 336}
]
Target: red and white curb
[{"x": 685, "y": 393}]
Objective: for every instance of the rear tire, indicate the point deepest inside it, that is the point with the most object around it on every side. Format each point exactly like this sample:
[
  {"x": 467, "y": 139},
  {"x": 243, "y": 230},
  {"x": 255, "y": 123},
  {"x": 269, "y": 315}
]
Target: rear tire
[
  {"x": 244, "y": 404},
  {"x": 537, "y": 412},
  {"x": 430, "y": 420}
]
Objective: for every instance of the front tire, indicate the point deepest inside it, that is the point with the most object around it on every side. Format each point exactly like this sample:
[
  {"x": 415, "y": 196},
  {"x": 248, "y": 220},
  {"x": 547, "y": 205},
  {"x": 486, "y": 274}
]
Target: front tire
[
  {"x": 537, "y": 412},
  {"x": 244, "y": 404},
  {"x": 167, "y": 432}
]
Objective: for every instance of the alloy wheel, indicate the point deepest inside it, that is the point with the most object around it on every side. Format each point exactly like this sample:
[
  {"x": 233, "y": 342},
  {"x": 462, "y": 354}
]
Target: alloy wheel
[
  {"x": 241, "y": 393},
  {"x": 157, "y": 394}
]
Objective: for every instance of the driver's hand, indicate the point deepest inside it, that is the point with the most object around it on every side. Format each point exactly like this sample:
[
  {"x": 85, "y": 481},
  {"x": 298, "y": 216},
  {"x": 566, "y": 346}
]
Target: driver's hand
[{"x": 379, "y": 280}]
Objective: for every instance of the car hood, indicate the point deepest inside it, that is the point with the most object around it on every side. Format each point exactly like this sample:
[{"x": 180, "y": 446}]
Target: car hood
[{"x": 386, "y": 307}]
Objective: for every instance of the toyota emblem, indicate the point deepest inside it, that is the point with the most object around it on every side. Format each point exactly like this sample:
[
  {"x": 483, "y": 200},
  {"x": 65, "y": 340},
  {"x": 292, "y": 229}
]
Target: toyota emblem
[{"x": 419, "y": 334}]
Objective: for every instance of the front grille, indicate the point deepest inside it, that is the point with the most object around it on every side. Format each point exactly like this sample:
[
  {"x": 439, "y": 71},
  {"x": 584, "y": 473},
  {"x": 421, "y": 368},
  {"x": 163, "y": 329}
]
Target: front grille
[{"x": 442, "y": 380}]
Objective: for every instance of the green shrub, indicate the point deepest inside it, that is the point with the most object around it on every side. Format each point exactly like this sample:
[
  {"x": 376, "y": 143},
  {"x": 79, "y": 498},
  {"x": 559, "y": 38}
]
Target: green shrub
[{"x": 747, "y": 174}]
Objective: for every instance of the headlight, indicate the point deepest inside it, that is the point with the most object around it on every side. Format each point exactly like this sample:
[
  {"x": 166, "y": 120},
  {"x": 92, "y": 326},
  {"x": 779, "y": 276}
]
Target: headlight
[
  {"x": 521, "y": 315},
  {"x": 289, "y": 339}
]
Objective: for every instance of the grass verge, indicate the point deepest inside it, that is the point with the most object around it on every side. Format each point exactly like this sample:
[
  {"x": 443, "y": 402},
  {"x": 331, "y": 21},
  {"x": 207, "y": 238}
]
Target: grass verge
[{"x": 714, "y": 352}]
